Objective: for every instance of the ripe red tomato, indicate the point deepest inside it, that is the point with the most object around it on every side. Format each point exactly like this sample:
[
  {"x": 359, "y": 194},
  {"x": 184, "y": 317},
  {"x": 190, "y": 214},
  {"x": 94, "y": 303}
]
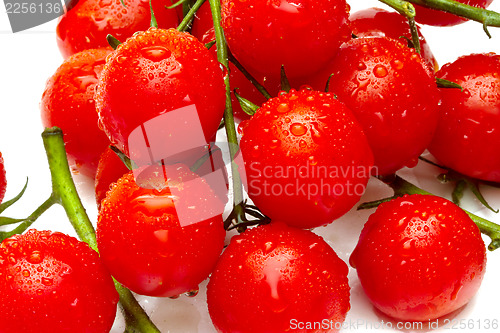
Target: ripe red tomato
[
  {"x": 380, "y": 22},
  {"x": 301, "y": 34},
  {"x": 275, "y": 278},
  {"x": 419, "y": 258},
  {"x": 306, "y": 158},
  {"x": 161, "y": 237},
  {"x": 86, "y": 25},
  {"x": 68, "y": 102},
  {"x": 51, "y": 282},
  {"x": 203, "y": 29},
  {"x": 392, "y": 94},
  {"x": 438, "y": 18},
  {"x": 468, "y": 134},
  {"x": 164, "y": 84},
  {"x": 109, "y": 170},
  {"x": 3, "y": 179}
]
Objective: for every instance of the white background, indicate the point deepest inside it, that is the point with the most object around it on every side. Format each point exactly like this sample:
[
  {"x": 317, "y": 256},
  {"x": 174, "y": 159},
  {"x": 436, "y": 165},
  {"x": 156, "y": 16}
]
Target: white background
[{"x": 29, "y": 58}]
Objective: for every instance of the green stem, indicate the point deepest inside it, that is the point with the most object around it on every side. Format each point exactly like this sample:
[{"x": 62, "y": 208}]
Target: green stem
[
  {"x": 26, "y": 223},
  {"x": 414, "y": 34},
  {"x": 406, "y": 9},
  {"x": 222, "y": 56},
  {"x": 63, "y": 187},
  {"x": 402, "y": 187},
  {"x": 64, "y": 192},
  {"x": 484, "y": 16},
  {"x": 249, "y": 77},
  {"x": 403, "y": 7},
  {"x": 188, "y": 18},
  {"x": 137, "y": 320}
]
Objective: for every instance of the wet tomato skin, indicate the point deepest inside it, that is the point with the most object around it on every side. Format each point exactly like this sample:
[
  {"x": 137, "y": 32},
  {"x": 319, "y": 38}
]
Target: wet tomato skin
[
  {"x": 109, "y": 170},
  {"x": 157, "y": 251},
  {"x": 86, "y": 25},
  {"x": 419, "y": 257},
  {"x": 301, "y": 35},
  {"x": 3, "y": 179},
  {"x": 203, "y": 29},
  {"x": 51, "y": 282},
  {"x": 68, "y": 103},
  {"x": 159, "y": 71},
  {"x": 468, "y": 135},
  {"x": 273, "y": 274},
  {"x": 306, "y": 158},
  {"x": 380, "y": 22},
  {"x": 392, "y": 94}
]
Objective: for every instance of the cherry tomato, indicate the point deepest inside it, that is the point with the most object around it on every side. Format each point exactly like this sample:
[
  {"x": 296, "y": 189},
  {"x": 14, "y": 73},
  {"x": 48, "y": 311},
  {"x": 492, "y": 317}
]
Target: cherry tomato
[
  {"x": 51, "y": 282},
  {"x": 419, "y": 258},
  {"x": 68, "y": 102},
  {"x": 306, "y": 158},
  {"x": 86, "y": 25},
  {"x": 302, "y": 35},
  {"x": 156, "y": 79},
  {"x": 109, "y": 170},
  {"x": 209, "y": 164},
  {"x": 382, "y": 23},
  {"x": 275, "y": 278},
  {"x": 3, "y": 179},
  {"x": 468, "y": 134},
  {"x": 161, "y": 237},
  {"x": 203, "y": 29},
  {"x": 438, "y": 18},
  {"x": 392, "y": 94}
]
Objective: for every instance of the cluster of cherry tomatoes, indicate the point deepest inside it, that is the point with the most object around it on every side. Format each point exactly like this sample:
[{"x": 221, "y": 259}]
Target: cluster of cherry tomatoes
[{"x": 351, "y": 99}]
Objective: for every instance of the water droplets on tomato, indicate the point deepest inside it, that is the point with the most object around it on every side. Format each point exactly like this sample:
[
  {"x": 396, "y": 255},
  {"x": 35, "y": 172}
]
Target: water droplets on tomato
[
  {"x": 47, "y": 281},
  {"x": 35, "y": 257},
  {"x": 298, "y": 129},
  {"x": 380, "y": 71},
  {"x": 155, "y": 53},
  {"x": 283, "y": 108},
  {"x": 105, "y": 3}
]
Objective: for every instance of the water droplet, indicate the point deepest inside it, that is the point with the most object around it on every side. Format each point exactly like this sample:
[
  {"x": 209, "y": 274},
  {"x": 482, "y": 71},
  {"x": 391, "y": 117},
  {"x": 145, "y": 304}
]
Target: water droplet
[
  {"x": 155, "y": 53},
  {"x": 274, "y": 144},
  {"x": 298, "y": 129},
  {"x": 380, "y": 71},
  {"x": 66, "y": 270},
  {"x": 121, "y": 59},
  {"x": 35, "y": 257},
  {"x": 361, "y": 66},
  {"x": 26, "y": 273},
  {"x": 268, "y": 247},
  {"x": 302, "y": 144},
  {"x": 397, "y": 64},
  {"x": 47, "y": 281},
  {"x": 283, "y": 108},
  {"x": 192, "y": 293}
]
